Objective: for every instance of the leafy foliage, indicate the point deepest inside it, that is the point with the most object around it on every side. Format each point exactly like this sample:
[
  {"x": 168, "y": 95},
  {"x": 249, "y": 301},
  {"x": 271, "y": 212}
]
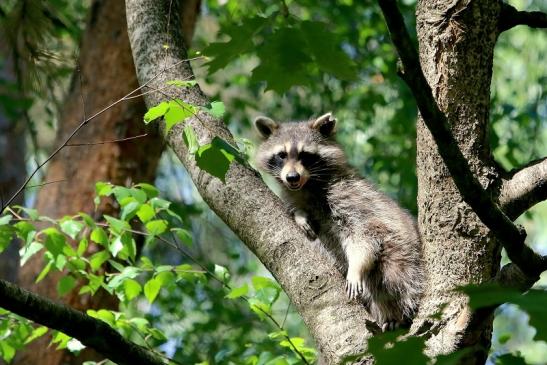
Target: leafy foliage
[{"x": 101, "y": 255}]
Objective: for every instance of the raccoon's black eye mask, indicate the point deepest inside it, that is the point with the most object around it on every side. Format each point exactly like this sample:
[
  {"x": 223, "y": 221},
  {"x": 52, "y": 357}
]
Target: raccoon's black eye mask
[{"x": 308, "y": 159}]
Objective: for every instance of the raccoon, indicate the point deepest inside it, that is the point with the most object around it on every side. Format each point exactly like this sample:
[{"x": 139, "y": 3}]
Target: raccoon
[{"x": 373, "y": 241}]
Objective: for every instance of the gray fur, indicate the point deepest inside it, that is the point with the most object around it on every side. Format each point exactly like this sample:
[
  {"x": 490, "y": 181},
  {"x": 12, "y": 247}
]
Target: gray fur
[{"x": 373, "y": 241}]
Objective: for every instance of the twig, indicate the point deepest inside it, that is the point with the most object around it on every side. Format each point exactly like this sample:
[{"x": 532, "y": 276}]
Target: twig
[
  {"x": 105, "y": 142},
  {"x": 79, "y": 71},
  {"x": 83, "y": 123},
  {"x": 44, "y": 183},
  {"x": 212, "y": 275}
]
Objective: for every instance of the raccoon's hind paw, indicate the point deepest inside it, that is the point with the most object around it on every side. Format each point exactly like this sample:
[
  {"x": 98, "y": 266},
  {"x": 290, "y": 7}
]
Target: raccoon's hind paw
[
  {"x": 302, "y": 221},
  {"x": 354, "y": 288}
]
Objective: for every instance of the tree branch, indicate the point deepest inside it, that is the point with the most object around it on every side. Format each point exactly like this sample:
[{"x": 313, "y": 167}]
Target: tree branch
[
  {"x": 510, "y": 17},
  {"x": 524, "y": 188},
  {"x": 88, "y": 330},
  {"x": 244, "y": 202},
  {"x": 511, "y": 237}
]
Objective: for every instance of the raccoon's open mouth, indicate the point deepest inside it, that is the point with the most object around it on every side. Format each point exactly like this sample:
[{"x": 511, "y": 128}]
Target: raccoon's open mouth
[{"x": 294, "y": 186}]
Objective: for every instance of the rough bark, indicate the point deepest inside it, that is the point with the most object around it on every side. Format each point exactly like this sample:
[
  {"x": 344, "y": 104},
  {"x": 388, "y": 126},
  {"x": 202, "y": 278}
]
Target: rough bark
[
  {"x": 106, "y": 73},
  {"x": 244, "y": 202},
  {"x": 456, "y": 43}
]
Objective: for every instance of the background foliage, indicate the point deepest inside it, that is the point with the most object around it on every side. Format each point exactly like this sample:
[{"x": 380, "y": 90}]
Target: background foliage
[{"x": 289, "y": 60}]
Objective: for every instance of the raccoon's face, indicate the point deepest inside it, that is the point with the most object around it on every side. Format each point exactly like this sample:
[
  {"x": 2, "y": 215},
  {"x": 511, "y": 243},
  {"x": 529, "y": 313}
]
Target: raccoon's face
[{"x": 298, "y": 153}]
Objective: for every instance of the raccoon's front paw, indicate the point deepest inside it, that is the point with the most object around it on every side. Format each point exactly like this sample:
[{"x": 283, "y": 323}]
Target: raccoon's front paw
[
  {"x": 391, "y": 326},
  {"x": 355, "y": 286},
  {"x": 302, "y": 221}
]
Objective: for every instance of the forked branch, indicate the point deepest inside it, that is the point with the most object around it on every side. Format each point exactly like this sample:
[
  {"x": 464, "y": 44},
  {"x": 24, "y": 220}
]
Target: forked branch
[
  {"x": 510, "y": 17},
  {"x": 511, "y": 237},
  {"x": 524, "y": 188}
]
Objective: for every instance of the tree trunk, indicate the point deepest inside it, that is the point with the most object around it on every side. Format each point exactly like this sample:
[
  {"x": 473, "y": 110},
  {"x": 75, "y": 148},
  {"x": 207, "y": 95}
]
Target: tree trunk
[
  {"x": 243, "y": 201},
  {"x": 456, "y": 46},
  {"x": 106, "y": 73}
]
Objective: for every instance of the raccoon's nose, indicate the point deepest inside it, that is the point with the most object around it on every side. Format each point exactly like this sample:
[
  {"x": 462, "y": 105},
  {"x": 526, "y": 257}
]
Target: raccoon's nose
[{"x": 293, "y": 177}]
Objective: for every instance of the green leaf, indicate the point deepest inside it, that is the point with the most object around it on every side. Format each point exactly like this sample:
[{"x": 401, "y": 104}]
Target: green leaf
[
  {"x": 5, "y": 219},
  {"x": 82, "y": 246},
  {"x": 23, "y": 229},
  {"x": 8, "y": 351},
  {"x": 182, "y": 83},
  {"x": 489, "y": 294},
  {"x": 118, "y": 226},
  {"x": 6, "y": 235},
  {"x": 104, "y": 315},
  {"x": 152, "y": 289},
  {"x": 71, "y": 227},
  {"x": 132, "y": 289},
  {"x": 66, "y": 284},
  {"x": 116, "y": 246},
  {"x": 216, "y": 157},
  {"x": 284, "y": 61},
  {"x": 325, "y": 49},
  {"x": 184, "y": 236},
  {"x": 158, "y": 203},
  {"x": 261, "y": 309},
  {"x": 178, "y": 112},
  {"x": 55, "y": 241},
  {"x": 387, "y": 350},
  {"x": 241, "y": 41},
  {"x": 156, "y": 227},
  {"x": 44, "y": 272},
  {"x": 145, "y": 213},
  {"x": 103, "y": 189},
  {"x": 88, "y": 220},
  {"x": 510, "y": 359},
  {"x": 454, "y": 358},
  {"x": 94, "y": 283},
  {"x": 28, "y": 251},
  {"x": 157, "y": 334},
  {"x": 99, "y": 236},
  {"x": 98, "y": 259},
  {"x": 217, "y": 109},
  {"x": 150, "y": 190},
  {"x": 261, "y": 282},
  {"x": 129, "y": 272},
  {"x": 121, "y": 193},
  {"x": 156, "y": 112},
  {"x": 36, "y": 333},
  {"x": 138, "y": 194},
  {"x": 130, "y": 209},
  {"x": 190, "y": 139},
  {"x": 238, "y": 292}
]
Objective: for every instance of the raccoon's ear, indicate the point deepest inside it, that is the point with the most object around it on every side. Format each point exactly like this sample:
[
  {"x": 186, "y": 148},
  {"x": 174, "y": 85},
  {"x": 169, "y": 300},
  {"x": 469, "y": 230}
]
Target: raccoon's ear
[
  {"x": 324, "y": 124},
  {"x": 265, "y": 126}
]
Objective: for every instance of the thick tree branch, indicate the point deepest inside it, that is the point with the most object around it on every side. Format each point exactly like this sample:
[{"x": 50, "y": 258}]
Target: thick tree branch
[
  {"x": 88, "y": 330},
  {"x": 511, "y": 17},
  {"x": 511, "y": 237},
  {"x": 244, "y": 202},
  {"x": 524, "y": 188}
]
